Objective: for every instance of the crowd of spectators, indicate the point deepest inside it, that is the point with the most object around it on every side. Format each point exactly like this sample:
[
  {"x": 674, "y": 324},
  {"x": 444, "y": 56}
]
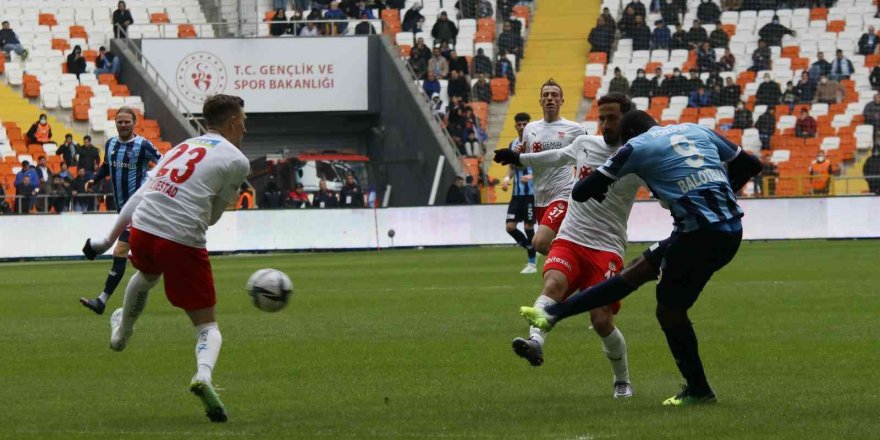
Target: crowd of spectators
[{"x": 273, "y": 196}]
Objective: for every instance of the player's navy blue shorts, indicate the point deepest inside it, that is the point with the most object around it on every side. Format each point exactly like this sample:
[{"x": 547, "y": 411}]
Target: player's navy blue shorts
[
  {"x": 688, "y": 260},
  {"x": 123, "y": 237},
  {"x": 521, "y": 209}
]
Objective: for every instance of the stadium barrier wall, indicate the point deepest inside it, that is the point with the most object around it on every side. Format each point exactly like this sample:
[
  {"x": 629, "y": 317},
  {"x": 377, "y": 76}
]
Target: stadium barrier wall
[{"x": 38, "y": 236}]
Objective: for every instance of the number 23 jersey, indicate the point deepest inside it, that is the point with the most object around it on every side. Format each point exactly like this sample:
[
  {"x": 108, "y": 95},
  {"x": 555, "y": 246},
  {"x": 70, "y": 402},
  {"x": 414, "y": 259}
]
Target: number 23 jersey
[{"x": 183, "y": 190}]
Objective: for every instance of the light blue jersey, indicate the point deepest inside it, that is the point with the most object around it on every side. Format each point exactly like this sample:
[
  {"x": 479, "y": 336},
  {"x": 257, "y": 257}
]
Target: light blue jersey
[
  {"x": 683, "y": 165},
  {"x": 519, "y": 188}
]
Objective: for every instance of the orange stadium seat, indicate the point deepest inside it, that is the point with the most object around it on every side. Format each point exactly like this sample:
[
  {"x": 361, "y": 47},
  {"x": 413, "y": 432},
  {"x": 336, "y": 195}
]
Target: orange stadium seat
[
  {"x": 598, "y": 57},
  {"x": 836, "y": 26},
  {"x": 729, "y": 29},
  {"x": 404, "y": 50},
  {"x": 660, "y": 101},
  {"x": 591, "y": 86},
  {"x": 791, "y": 51},
  {"x": 159, "y": 18},
  {"x": 486, "y": 25},
  {"x": 818, "y": 13},
  {"x": 47, "y": 20},
  {"x": 106, "y": 79},
  {"x": 2, "y": 63},
  {"x": 500, "y": 89},
  {"x": 186, "y": 31},
  {"x": 390, "y": 15},
  {"x": 481, "y": 111},
  {"x": 484, "y": 37},
  {"x": 60, "y": 44},
  {"x": 78, "y": 32}
]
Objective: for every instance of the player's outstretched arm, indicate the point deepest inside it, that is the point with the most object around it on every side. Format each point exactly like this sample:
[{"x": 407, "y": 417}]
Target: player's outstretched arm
[
  {"x": 101, "y": 245},
  {"x": 593, "y": 186},
  {"x": 741, "y": 169},
  {"x": 550, "y": 158}
]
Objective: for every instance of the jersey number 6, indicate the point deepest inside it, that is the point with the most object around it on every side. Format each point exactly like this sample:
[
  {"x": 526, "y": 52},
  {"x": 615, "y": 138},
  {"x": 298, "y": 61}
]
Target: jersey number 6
[
  {"x": 196, "y": 155},
  {"x": 686, "y": 147}
]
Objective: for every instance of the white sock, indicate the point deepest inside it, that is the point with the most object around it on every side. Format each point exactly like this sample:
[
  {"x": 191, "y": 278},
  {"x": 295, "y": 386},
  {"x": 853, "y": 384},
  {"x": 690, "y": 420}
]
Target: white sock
[
  {"x": 103, "y": 297},
  {"x": 208, "y": 342},
  {"x": 135, "y": 299},
  {"x": 534, "y": 332},
  {"x": 614, "y": 347}
]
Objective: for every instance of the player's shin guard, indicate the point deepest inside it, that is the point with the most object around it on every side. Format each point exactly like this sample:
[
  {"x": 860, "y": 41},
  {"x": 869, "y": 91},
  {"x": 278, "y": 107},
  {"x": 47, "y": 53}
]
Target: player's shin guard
[
  {"x": 208, "y": 342},
  {"x": 602, "y": 294},
  {"x": 135, "y": 299},
  {"x": 117, "y": 271},
  {"x": 535, "y": 333},
  {"x": 683, "y": 343},
  {"x": 614, "y": 346}
]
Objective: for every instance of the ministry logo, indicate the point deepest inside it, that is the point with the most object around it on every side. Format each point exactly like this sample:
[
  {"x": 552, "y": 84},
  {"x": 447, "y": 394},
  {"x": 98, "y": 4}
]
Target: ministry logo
[{"x": 199, "y": 75}]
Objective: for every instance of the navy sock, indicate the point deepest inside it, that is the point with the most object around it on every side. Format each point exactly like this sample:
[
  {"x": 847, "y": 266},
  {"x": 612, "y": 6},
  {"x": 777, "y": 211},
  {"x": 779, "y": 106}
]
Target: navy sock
[
  {"x": 519, "y": 237},
  {"x": 683, "y": 344},
  {"x": 115, "y": 275},
  {"x": 602, "y": 294},
  {"x": 530, "y": 235}
]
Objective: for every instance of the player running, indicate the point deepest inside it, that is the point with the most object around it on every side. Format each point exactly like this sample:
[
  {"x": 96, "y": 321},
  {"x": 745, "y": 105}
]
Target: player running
[
  {"x": 187, "y": 192},
  {"x": 684, "y": 165},
  {"x": 126, "y": 160},
  {"x": 591, "y": 240},
  {"x": 552, "y": 185},
  {"x": 522, "y": 203}
]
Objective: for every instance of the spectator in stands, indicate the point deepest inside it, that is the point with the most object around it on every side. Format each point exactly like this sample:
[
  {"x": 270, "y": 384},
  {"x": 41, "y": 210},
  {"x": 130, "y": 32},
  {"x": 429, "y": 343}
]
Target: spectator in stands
[
  {"x": 89, "y": 157},
  {"x": 714, "y": 79},
  {"x": 277, "y": 28},
  {"x": 279, "y": 4},
  {"x": 657, "y": 83},
  {"x": 4, "y": 205},
  {"x": 694, "y": 82},
  {"x": 105, "y": 188},
  {"x": 310, "y": 29},
  {"x": 121, "y": 20},
  {"x": 626, "y": 22},
  {"x": 364, "y": 27},
  {"x": 76, "y": 64},
  {"x": 761, "y": 57},
  {"x": 515, "y": 25},
  {"x": 819, "y": 68},
  {"x": 411, "y": 18},
  {"x": 9, "y": 42},
  {"x": 806, "y": 125},
  {"x": 868, "y": 42},
  {"x": 320, "y": 5},
  {"x": 44, "y": 175},
  {"x": 335, "y": 13},
  {"x": 455, "y": 194},
  {"x": 718, "y": 38},
  {"x": 482, "y": 63},
  {"x": 351, "y": 195},
  {"x": 107, "y": 62},
  {"x": 821, "y": 171},
  {"x": 641, "y": 87},
  {"x": 717, "y": 96},
  {"x": 59, "y": 192},
  {"x": 641, "y": 34},
  {"x": 727, "y": 61},
  {"x": 699, "y": 98},
  {"x": 601, "y": 37},
  {"x": 670, "y": 13},
  {"x": 245, "y": 197},
  {"x": 324, "y": 198},
  {"x": 481, "y": 91},
  {"x": 872, "y": 112},
  {"x": 768, "y": 174},
  {"x": 444, "y": 30},
  {"x": 789, "y": 95},
  {"x": 431, "y": 85},
  {"x": 68, "y": 150},
  {"x": 40, "y": 132},
  {"x": 618, "y": 84},
  {"x": 679, "y": 39},
  {"x": 438, "y": 107},
  {"x": 485, "y": 10},
  {"x": 609, "y": 20},
  {"x": 730, "y": 93},
  {"x": 638, "y": 8},
  {"x": 742, "y": 117},
  {"x": 511, "y": 42},
  {"x": 471, "y": 192},
  {"x": 272, "y": 196},
  {"x": 438, "y": 65},
  {"x": 871, "y": 171},
  {"x": 766, "y": 125},
  {"x": 459, "y": 86},
  {"x": 805, "y": 88},
  {"x": 676, "y": 85},
  {"x": 359, "y": 9},
  {"x": 841, "y": 68},
  {"x": 874, "y": 78},
  {"x": 82, "y": 200},
  {"x": 731, "y": 5},
  {"x": 697, "y": 35},
  {"x": 662, "y": 37},
  {"x": 26, "y": 190},
  {"x": 471, "y": 146},
  {"x": 26, "y": 171},
  {"x": 296, "y": 25},
  {"x": 458, "y": 63},
  {"x": 768, "y": 92},
  {"x": 828, "y": 91},
  {"x": 504, "y": 69},
  {"x": 708, "y": 11},
  {"x": 705, "y": 58},
  {"x": 297, "y": 198},
  {"x": 64, "y": 173},
  {"x": 772, "y": 32}
]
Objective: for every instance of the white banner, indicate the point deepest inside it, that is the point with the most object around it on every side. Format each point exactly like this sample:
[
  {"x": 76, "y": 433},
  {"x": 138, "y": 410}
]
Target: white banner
[
  {"x": 272, "y": 75},
  {"x": 34, "y": 236}
]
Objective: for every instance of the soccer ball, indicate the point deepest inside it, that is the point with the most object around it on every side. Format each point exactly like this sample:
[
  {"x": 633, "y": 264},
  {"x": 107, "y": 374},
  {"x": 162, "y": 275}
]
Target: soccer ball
[{"x": 269, "y": 289}]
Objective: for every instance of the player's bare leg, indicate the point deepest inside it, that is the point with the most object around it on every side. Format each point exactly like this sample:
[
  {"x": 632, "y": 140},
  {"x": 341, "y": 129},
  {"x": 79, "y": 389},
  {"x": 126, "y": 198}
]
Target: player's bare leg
[
  {"x": 532, "y": 349},
  {"x": 614, "y": 347},
  {"x": 117, "y": 271},
  {"x": 543, "y": 237},
  {"x": 208, "y": 342},
  {"x": 123, "y": 319}
]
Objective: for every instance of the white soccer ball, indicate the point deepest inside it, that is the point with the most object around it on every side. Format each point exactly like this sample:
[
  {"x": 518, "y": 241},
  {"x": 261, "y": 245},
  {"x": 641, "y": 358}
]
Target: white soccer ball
[{"x": 269, "y": 289}]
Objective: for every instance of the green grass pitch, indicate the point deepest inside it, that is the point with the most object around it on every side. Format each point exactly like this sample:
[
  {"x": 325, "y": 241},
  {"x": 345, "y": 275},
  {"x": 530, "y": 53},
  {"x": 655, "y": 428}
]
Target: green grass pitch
[{"x": 415, "y": 344}]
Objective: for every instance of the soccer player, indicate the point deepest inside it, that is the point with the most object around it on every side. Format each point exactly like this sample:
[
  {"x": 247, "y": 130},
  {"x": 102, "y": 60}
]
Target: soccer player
[
  {"x": 684, "y": 165},
  {"x": 552, "y": 185},
  {"x": 126, "y": 159},
  {"x": 187, "y": 192},
  {"x": 522, "y": 203},
  {"x": 592, "y": 239}
]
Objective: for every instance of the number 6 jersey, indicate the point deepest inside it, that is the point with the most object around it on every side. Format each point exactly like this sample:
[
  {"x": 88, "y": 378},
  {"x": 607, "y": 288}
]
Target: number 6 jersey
[{"x": 191, "y": 184}]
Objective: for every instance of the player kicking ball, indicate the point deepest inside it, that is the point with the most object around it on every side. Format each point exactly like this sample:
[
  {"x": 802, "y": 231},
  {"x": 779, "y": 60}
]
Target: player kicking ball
[
  {"x": 126, "y": 160},
  {"x": 187, "y": 192},
  {"x": 685, "y": 167},
  {"x": 592, "y": 238},
  {"x": 522, "y": 202}
]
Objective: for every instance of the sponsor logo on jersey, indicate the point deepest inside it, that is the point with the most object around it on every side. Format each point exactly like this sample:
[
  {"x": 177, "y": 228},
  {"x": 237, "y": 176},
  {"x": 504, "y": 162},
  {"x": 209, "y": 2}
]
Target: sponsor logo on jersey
[
  {"x": 584, "y": 172},
  {"x": 202, "y": 142},
  {"x": 538, "y": 147},
  {"x": 561, "y": 135},
  {"x": 557, "y": 260}
]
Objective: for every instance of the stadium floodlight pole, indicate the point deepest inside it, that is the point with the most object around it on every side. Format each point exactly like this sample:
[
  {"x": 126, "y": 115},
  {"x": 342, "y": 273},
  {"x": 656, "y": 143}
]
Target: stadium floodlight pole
[{"x": 436, "y": 183}]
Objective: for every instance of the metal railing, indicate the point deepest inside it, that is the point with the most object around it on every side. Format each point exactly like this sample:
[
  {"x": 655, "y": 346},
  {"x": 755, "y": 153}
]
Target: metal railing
[{"x": 53, "y": 203}]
